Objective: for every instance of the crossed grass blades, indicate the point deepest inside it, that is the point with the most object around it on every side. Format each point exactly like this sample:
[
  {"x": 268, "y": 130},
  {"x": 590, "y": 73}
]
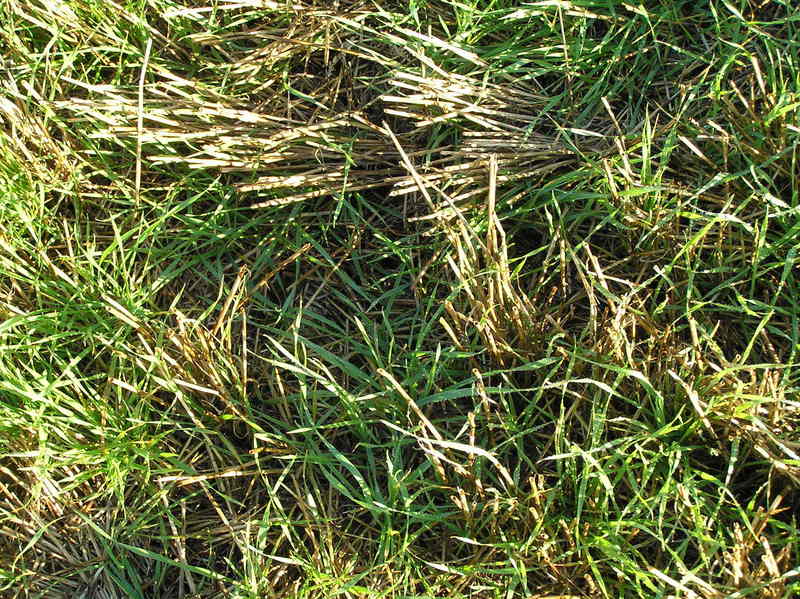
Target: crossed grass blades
[{"x": 399, "y": 299}]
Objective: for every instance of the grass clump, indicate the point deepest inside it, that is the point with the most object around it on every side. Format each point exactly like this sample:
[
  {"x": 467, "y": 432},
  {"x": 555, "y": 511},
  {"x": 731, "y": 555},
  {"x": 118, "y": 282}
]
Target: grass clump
[{"x": 376, "y": 299}]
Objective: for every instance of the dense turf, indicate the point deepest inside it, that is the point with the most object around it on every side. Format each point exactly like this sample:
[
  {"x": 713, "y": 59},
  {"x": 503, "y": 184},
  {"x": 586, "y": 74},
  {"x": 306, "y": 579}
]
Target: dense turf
[{"x": 382, "y": 299}]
